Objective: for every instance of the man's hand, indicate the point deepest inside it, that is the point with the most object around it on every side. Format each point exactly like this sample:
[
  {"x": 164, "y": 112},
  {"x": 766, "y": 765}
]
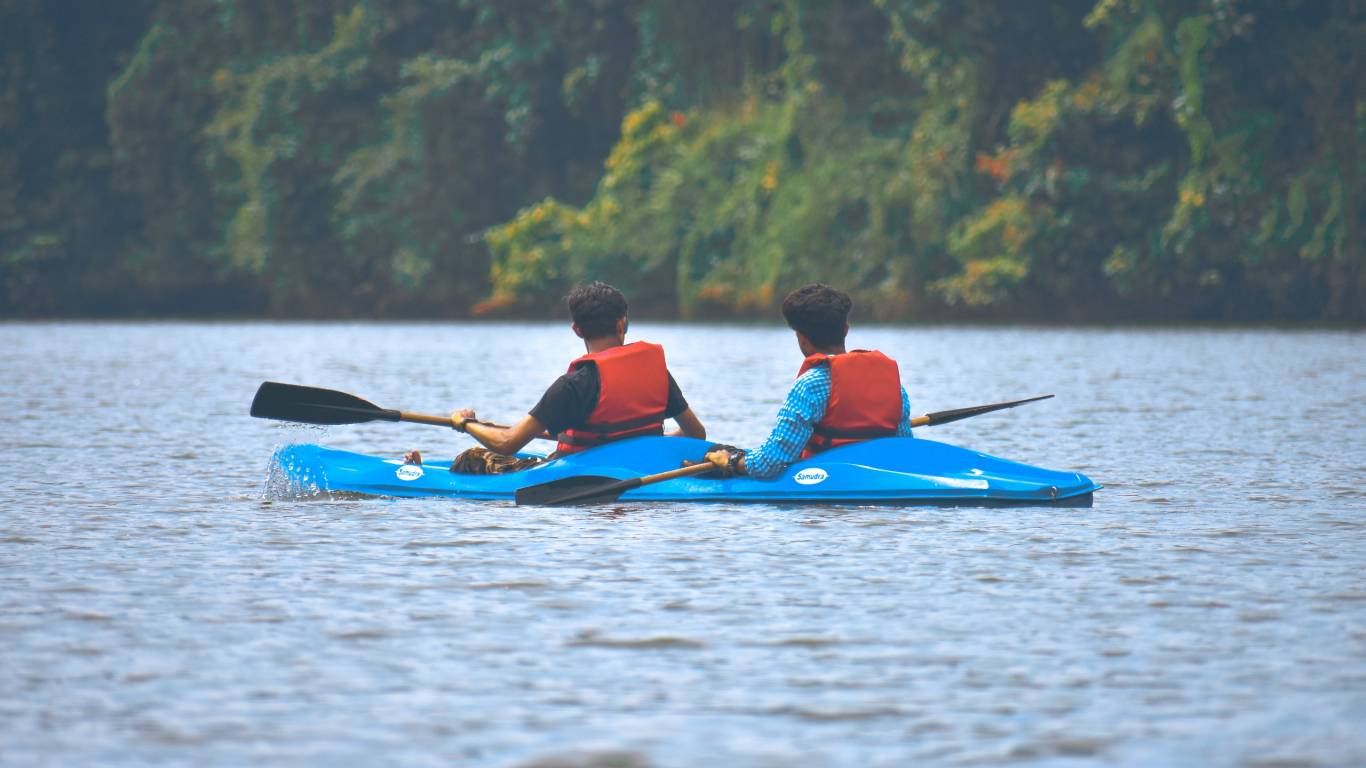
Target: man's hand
[
  {"x": 458, "y": 418},
  {"x": 729, "y": 460}
]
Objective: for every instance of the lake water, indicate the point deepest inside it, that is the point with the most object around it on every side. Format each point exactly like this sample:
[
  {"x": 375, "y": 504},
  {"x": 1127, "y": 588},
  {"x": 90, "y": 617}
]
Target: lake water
[{"x": 158, "y": 607}]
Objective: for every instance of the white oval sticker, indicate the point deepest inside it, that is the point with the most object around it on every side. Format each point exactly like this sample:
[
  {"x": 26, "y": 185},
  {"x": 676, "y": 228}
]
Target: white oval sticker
[
  {"x": 408, "y": 472},
  {"x": 810, "y": 476}
]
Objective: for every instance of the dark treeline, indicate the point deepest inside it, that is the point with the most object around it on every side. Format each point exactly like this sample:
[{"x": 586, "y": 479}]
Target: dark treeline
[{"x": 984, "y": 159}]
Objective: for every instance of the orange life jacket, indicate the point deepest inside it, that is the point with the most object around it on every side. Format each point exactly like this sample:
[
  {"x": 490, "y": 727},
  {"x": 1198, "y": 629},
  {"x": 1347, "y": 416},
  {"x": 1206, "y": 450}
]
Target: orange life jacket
[
  {"x": 865, "y": 399},
  {"x": 633, "y": 394}
]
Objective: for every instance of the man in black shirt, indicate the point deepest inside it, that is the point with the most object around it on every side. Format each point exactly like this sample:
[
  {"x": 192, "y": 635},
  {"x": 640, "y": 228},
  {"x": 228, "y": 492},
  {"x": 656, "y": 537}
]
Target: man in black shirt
[
  {"x": 614, "y": 391},
  {"x": 573, "y": 396}
]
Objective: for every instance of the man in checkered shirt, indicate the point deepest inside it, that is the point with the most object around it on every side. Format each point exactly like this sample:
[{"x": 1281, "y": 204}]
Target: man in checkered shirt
[{"x": 869, "y": 388}]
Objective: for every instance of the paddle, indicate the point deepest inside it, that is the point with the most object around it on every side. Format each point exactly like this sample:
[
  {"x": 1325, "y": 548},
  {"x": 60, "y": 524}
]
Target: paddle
[
  {"x": 594, "y": 489},
  {"x": 944, "y": 417},
  {"x": 313, "y": 405}
]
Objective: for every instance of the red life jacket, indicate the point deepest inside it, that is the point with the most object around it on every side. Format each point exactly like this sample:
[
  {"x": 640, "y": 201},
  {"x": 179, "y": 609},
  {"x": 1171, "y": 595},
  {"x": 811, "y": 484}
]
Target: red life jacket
[
  {"x": 865, "y": 399},
  {"x": 633, "y": 393}
]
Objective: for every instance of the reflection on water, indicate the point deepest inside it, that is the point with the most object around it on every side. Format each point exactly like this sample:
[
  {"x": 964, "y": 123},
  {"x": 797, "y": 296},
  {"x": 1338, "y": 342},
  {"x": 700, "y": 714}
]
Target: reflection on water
[{"x": 159, "y": 605}]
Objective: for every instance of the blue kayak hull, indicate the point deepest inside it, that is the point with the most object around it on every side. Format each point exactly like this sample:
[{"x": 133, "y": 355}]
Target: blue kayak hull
[{"x": 894, "y": 470}]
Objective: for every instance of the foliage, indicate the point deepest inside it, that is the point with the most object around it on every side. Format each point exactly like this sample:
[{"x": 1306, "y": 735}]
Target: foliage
[{"x": 1067, "y": 159}]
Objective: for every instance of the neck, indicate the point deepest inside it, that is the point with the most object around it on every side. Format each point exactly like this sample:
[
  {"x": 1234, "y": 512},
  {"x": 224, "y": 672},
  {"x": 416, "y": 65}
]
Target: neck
[
  {"x": 838, "y": 349},
  {"x": 602, "y": 342}
]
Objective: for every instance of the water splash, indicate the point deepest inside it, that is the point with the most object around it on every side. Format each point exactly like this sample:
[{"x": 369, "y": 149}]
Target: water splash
[{"x": 287, "y": 479}]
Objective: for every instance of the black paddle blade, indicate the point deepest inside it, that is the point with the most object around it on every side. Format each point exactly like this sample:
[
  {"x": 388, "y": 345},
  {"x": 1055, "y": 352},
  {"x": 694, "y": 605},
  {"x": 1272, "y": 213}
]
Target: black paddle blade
[
  {"x": 944, "y": 417},
  {"x": 311, "y": 405},
  {"x": 580, "y": 489}
]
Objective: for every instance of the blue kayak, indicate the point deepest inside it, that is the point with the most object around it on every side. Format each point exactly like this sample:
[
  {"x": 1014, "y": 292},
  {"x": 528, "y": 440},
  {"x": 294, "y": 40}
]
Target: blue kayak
[{"x": 892, "y": 470}]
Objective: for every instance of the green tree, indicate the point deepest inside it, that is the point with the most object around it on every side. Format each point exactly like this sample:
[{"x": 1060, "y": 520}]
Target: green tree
[
  {"x": 1065, "y": 159},
  {"x": 61, "y": 222}
]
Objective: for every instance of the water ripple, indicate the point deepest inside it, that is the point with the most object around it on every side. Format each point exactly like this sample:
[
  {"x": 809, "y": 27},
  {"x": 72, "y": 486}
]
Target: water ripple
[{"x": 162, "y": 602}]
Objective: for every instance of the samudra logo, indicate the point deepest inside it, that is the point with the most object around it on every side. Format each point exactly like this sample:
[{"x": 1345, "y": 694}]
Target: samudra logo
[
  {"x": 810, "y": 476},
  {"x": 408, "y": 472}
]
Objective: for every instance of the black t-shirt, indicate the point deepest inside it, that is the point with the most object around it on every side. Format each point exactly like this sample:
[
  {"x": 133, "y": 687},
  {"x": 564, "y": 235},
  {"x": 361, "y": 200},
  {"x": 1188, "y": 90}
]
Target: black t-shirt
[{"x": 569, "y": 401}]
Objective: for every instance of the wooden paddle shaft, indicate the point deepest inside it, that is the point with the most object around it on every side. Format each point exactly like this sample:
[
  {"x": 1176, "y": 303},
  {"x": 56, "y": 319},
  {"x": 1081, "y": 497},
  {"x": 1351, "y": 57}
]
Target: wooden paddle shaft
[
  {"x": 426, "y": 418},
  {"x": 695, "y": 469},
  {"x": 441, "y": 421},
  {"x": 445, "y": 421},
  {"x": 611, "y": 490}
]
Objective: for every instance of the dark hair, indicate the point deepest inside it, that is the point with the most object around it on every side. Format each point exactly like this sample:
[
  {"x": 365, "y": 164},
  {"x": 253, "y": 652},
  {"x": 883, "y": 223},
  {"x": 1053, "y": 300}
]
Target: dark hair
[
  {"x": 819, "y": 312},
  {"x": 596, "y": 308}
]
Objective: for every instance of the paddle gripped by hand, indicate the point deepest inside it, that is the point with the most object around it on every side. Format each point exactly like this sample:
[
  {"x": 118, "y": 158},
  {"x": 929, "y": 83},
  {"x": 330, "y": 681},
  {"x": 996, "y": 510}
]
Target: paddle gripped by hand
[{"x": 315, "y": 405}]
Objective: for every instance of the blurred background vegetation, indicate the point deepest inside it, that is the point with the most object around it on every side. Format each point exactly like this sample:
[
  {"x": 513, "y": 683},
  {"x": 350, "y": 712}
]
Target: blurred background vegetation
[{"x": 1107, "y": 160}]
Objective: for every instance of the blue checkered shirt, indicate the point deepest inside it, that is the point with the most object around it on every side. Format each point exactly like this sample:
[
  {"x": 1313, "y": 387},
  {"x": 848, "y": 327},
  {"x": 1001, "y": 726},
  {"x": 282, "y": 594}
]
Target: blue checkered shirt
[{"x": 805, "y": 406}]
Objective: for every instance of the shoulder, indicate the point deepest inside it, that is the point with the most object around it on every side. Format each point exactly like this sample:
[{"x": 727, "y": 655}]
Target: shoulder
[
  {"x": 653, "y": 352},
  {"x": 583, "y": 377},
  {"x": 813, "y": 380},
  {"x": 810, "y": 392},
  {"x": 577, "y": 382},
  {"x": 642, "y": 347}
]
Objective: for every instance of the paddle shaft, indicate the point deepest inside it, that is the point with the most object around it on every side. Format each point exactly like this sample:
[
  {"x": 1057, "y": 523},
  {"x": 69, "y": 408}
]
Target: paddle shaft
[
  {"x": 614, "y": 490},
  {"x": 944, "y": 417},
  {"x": 386, "y": 414},
  {"x": 425, "y": 418},
  {"x": 314, "y": 405},
  {"x": 445, "y": 421}
]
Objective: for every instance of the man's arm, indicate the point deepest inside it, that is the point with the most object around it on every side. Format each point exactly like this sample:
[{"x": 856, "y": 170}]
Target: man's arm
[
  {"x": 677, "y": 409},
  {"x": 804, "y": 406},
  {"x": 504, "y": 440},
  {"x": 903, "y": 427},
  {"x": 689, "y": 426}
]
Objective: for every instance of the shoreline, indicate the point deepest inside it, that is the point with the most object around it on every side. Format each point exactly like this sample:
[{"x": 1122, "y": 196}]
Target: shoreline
[{"x": 738, "y": 322}]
